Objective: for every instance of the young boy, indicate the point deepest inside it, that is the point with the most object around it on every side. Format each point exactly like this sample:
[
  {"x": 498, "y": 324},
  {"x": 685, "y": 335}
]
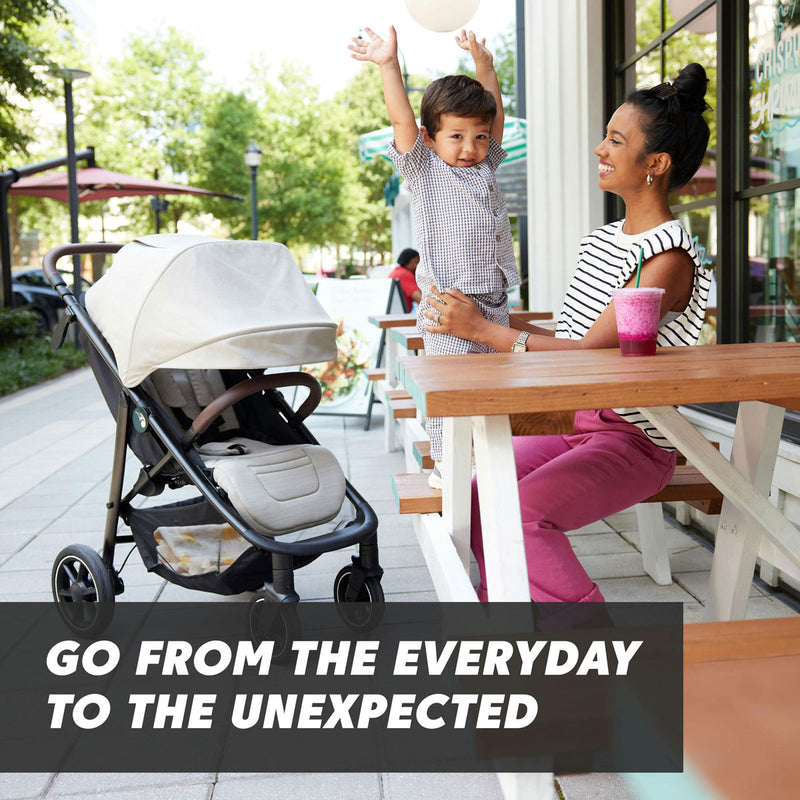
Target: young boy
[{"x": 449, "y": 164}]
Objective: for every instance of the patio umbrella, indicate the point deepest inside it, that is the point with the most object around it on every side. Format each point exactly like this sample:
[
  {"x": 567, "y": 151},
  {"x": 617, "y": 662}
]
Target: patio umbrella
[
  {"x": 95, "y": 183},
  {"x": 515, "y": 141}
]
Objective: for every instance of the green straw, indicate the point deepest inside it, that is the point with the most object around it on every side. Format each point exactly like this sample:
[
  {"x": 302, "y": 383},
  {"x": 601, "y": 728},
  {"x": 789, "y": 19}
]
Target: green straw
[{"x": 639, "y": 266}]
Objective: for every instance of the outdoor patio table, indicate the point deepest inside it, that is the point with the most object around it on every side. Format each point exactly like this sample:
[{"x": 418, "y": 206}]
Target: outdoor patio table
[{"x": 476, "y": 393}]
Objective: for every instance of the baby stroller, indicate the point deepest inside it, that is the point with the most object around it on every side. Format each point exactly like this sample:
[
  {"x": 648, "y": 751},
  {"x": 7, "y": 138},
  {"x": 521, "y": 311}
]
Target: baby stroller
[{"x": 182, "y": 334}]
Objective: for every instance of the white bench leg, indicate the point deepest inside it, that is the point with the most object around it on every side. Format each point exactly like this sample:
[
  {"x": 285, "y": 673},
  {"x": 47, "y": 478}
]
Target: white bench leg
[{"x": 655, "y": 554}]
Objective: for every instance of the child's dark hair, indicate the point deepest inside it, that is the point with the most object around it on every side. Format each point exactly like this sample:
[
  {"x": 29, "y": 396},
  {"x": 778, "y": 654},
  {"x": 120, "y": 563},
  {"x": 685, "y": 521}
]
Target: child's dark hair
[
  {"x": 673, "y": 121},
  {"x": 407, "y": 255},
  {"x": 459, "y": 95}
]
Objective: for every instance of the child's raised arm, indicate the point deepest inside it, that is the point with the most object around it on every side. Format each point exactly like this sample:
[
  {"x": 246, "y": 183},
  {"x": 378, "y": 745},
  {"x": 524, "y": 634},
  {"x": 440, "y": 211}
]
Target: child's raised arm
[
  {"x": 486, "y": 75},
  {"x": 384, "y": 54}
]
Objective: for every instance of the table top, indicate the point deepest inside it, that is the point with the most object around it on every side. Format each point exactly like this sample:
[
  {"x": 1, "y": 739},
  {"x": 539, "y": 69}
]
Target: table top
[
  {"x": 400, "y": 320},
  {"x": 572, "y": 380},
  {"x": 741, "y": 706}
]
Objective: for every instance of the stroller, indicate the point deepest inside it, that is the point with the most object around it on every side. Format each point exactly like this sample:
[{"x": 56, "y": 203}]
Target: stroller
[{"x": 182, "y": 334}]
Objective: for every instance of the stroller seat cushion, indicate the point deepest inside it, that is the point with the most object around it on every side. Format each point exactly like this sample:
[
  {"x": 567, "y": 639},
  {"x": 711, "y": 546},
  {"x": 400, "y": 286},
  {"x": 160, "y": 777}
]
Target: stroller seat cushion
[{"x": 278, "y": 489}]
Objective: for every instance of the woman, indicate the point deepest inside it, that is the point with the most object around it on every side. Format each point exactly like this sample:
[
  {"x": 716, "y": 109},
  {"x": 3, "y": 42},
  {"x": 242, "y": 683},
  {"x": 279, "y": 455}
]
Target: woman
[
  {"x": 405, "y": 271},
  {"x": 614, "y": 459}
]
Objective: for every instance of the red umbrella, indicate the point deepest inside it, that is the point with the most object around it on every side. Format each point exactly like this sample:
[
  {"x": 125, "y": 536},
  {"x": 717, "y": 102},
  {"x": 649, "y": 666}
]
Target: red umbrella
[{"x": 95, "y": 183}]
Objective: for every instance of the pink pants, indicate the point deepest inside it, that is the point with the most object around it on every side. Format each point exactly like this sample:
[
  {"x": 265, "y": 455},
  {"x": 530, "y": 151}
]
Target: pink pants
[{"x": 565, "y": 482}]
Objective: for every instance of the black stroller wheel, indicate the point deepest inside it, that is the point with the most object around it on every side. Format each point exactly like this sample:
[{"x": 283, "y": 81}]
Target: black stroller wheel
[
  {"x": 83, "y": 590},
  {"x": 360, "y": 609},
  {"x": 276, "y": 622}
]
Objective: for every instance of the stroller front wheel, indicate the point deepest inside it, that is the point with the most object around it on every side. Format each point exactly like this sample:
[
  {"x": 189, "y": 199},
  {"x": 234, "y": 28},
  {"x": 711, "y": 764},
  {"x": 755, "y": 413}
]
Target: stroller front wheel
[
  {"x": 361, "y": 608},
  {"x": 276, "y": 622},
  {"x": 83, "y": 590}
]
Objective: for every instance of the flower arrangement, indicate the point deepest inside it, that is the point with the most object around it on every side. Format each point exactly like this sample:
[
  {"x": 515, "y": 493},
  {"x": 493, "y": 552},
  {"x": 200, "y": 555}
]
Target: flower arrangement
[{"x": 339, "y": 377}]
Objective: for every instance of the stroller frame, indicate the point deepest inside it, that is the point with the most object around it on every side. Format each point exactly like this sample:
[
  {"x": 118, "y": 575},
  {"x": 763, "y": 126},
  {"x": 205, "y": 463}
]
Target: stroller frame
[{"x": 83, "y": 576}]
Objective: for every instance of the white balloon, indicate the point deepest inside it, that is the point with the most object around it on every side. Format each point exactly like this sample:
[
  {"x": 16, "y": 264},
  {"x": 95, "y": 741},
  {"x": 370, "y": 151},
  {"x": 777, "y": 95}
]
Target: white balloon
[{"x": 442, "y": 15}]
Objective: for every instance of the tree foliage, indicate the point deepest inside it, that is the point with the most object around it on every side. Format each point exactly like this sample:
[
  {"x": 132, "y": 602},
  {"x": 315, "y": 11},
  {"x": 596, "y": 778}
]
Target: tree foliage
[
  {"x": 155, "y": 106},
  {"x": 20, "y": 56}
]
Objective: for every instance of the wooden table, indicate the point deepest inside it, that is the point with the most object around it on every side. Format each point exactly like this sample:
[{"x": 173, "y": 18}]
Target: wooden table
[
  {"x": 740, "y": 713},
  {"x": 476, "y": 393}
]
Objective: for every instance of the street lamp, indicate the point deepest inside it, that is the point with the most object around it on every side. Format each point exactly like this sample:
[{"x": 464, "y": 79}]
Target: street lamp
[
  {"x": 252, "y": 157},
  {"x": 69, "y": 76}
]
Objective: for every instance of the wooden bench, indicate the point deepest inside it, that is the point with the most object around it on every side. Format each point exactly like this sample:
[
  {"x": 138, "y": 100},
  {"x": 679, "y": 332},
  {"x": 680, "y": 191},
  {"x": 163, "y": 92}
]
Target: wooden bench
[
  {"x": 376, "y": 374},
  {"x": 400, "y": 404},
  {"x": 414, "y": 496}
]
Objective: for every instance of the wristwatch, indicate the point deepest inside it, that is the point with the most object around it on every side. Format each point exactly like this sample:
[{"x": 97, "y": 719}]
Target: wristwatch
[{"x": 519, "y": 345}]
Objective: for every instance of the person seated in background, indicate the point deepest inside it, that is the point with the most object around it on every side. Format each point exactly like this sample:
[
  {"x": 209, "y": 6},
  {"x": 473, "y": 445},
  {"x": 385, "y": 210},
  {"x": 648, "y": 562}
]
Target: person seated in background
[{"x": 407, "y": 265}]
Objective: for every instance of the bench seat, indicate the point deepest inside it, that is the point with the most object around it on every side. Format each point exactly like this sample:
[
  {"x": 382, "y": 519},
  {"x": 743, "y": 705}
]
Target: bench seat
[{"x": 414, "y": 496}]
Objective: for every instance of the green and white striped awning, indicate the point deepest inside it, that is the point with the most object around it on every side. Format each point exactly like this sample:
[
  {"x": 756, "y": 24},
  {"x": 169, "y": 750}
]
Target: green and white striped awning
[{"x": 515, "y": 142}]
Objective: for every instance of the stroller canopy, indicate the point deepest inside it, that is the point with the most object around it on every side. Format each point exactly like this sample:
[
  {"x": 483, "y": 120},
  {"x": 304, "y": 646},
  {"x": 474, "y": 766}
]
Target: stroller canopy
[{"x": 192, "y": 302}]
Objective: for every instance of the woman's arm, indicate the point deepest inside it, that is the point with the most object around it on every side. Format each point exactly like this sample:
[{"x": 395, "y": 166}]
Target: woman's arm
[{"x": 459, "y": 315}]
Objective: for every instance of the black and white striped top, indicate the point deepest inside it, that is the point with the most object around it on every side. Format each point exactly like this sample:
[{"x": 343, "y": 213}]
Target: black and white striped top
[{"x": 607, "y": 259}]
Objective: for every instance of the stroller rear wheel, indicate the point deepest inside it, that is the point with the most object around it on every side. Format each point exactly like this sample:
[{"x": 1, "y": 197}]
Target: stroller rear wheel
[
  {"x": 83, "y": 590},
  {"x": 361, "y": 608}
]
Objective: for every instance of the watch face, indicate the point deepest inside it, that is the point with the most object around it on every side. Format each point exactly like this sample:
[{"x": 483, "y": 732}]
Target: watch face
[{"x": 519, "y": 345}]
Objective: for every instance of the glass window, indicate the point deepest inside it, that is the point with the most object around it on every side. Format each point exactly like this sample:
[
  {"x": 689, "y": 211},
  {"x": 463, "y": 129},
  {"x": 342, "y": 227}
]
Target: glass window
[
  {"x": 774, "y": 269},
  {"x": 701, "y": 223},
  {"x": 648, "y": 22},
  {"x": 675, "y": 10},
  {"x": 774, "y": 91}
]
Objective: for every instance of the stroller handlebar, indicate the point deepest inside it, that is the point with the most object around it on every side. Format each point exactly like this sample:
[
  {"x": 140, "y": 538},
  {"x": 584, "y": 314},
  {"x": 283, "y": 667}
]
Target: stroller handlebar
[{"x": 51, "y": 258}]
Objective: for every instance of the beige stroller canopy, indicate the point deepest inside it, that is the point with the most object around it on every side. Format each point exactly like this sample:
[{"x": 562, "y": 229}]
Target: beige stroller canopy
[{"x": 191, "y": 302}]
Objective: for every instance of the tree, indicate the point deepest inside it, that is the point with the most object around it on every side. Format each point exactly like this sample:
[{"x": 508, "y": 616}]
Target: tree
[
  {"x": 231, "y": 122},
  {"x": 20, "y": 56},
  {"x": 307, "y": 160},
  {"x": 148, "y": 115}
]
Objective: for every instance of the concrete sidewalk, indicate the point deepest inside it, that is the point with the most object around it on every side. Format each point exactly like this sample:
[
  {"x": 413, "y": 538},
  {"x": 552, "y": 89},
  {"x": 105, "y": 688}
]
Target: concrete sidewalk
[{"x": 55, "y": 457}]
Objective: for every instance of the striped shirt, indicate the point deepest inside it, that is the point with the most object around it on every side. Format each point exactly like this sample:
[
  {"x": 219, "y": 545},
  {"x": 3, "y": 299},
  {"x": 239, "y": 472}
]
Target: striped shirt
[
  {"x": 461, "y": 220},
  {"x": 607, "y": 259}
]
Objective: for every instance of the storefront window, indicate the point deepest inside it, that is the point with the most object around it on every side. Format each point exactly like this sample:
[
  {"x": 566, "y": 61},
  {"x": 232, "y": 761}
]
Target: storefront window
[
  {"x": 774, "y": 91},
  {"x": 774, "y": 270},
  {"x": 757, "y": 223}
]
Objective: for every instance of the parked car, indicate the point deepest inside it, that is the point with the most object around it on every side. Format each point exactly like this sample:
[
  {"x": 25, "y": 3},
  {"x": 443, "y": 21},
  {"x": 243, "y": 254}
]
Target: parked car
[{"x": 33, "y": 291}]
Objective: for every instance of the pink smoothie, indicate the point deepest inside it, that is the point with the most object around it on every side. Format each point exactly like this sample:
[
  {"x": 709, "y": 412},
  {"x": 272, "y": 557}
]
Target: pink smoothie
[{"x": 638, "y": 314}]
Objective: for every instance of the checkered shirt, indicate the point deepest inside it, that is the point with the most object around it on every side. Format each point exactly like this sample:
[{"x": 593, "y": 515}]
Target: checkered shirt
[{"x": 463, "y": 233}]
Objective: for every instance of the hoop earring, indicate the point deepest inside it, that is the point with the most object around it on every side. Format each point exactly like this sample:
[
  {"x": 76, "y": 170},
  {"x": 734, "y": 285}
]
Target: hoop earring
[{"x": 649, "y": 179}]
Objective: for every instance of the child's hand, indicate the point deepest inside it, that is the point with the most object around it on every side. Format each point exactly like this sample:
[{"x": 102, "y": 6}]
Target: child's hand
[
  {"x": 378, "y": 51},
  {"x": 478, "y": 50}
]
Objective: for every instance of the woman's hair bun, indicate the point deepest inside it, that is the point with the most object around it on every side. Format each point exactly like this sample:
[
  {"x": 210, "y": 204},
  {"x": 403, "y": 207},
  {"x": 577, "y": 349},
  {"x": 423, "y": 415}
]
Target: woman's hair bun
[{"x": 692, "y": 84}]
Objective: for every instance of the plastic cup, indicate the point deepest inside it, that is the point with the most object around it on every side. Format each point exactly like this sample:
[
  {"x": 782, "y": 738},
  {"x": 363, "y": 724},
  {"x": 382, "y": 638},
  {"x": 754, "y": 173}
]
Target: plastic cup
[{"x": 638, "y": 315}]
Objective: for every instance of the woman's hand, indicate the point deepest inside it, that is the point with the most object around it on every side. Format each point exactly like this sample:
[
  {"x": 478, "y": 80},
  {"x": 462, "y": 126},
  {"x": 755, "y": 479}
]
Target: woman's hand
[{"x": 454, "y": 313}]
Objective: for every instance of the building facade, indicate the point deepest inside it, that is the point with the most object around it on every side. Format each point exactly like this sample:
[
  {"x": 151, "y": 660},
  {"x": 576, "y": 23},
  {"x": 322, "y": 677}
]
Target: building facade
[{"x": 743, "y": 206}]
